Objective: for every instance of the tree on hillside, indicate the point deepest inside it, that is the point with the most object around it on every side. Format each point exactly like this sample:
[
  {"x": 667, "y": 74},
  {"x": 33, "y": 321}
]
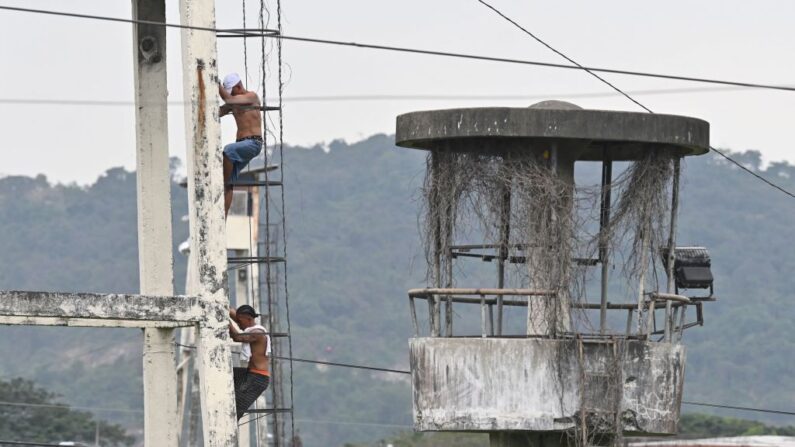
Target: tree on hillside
[
  {"x": 708, "y": 426},
  {"x": 41, "y": 420}
]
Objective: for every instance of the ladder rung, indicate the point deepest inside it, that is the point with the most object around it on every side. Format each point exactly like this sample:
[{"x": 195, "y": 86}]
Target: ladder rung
[
  {"x": 268, "y": 410},
  {"x": 260, "y": 108},
  {"x": 254, "y": 259},
  {"x": 254, "y": 183},
  {"x": 242, "y": 32}
]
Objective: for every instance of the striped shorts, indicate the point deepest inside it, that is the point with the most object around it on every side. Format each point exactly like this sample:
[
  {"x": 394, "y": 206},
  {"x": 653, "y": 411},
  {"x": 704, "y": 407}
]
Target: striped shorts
[{"x": 248, "y": 387}]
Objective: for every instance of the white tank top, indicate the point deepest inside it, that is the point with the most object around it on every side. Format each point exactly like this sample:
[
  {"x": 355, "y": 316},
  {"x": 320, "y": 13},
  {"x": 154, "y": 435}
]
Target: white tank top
[{"x": 245, "y": 353}]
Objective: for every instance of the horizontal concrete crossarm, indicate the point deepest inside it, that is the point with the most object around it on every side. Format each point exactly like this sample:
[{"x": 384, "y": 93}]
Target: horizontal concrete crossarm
[{"x": 101, "y": 310}]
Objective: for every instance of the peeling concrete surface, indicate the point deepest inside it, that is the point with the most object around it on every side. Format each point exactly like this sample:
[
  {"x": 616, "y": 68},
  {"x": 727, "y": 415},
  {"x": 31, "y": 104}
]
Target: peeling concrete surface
[
  {"x": 207, "y": 224},
  {"x": 474, "y": 384},
  {"x": 180, "y": 309}
]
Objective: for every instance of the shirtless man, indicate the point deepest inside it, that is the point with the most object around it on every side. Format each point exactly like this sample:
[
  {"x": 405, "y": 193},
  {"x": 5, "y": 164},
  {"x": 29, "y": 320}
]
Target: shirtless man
[
  {"x": 253, "y": 380},
  {"x": 245, "y": 106}
]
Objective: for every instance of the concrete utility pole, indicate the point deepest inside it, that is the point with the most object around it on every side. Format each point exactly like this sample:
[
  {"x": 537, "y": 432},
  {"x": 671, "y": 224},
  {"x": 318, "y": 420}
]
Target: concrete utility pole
[
  {"x": 155, "y": 261},
  {"x": 206, "y": 208}
]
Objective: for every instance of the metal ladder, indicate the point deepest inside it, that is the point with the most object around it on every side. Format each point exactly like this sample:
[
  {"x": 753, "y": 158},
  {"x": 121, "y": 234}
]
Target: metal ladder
[{"x": 272, "y": 263}]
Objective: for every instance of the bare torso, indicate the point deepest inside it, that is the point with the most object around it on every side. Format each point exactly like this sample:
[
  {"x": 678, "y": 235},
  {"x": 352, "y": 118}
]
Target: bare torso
[
  {"x": 259, "y": 360},
  {"x": 248, "y": 119}
]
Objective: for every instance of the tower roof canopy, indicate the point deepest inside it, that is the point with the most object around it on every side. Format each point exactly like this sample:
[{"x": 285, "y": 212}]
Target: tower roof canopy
[{"x": 622, "y": 135}]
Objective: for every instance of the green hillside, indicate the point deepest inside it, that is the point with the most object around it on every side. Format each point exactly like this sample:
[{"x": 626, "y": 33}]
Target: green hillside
[{"x": 354, "y": 251}]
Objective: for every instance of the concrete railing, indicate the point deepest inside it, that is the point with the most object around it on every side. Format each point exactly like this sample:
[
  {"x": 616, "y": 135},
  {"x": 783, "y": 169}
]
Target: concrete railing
[{"x": 490, "y": 298}]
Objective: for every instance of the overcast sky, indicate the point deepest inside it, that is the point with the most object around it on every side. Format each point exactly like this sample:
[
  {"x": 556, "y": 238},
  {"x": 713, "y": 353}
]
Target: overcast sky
[{"x": 45, "y": 57}]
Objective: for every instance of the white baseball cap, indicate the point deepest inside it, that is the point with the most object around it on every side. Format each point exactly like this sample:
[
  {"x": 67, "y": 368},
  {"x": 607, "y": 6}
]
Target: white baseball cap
[{"x": 231, "y": 80}]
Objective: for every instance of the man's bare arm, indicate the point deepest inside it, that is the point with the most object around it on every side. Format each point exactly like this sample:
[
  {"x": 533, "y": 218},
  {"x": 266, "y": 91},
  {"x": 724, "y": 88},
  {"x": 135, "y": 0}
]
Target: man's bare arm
[
  {"x": 223, "y": 93},
  {"x": 247, "y": 99},
  {"x": 248, "y": 337}
]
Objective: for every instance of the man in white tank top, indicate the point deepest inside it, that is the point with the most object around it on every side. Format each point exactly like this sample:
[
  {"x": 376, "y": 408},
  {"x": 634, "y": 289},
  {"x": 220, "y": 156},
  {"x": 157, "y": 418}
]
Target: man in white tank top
[{"x": 252, "y": 380}]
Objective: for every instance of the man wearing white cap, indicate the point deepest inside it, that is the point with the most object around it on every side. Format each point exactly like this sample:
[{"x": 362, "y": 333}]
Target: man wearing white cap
[{"x": 245, "y": 106}]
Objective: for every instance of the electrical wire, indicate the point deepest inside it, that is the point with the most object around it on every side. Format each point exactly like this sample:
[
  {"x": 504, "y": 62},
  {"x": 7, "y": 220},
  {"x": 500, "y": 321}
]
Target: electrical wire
[
  {"x": 733, "y": 407},
  {"x": 37, "y": 444},
  {"x": 366, "y": 424},
  {"x": 370, "y": 368},
  {"x": 591, "y": 72},
  {"x": 280, "y": 59},
  {"x": 336, "y": 422},
  {"x": 68, "y": 407},
  {"x": 263, "y": 34},
  {"x": 526, "y": 31},
  {"x": 387, "y": 97},
  {"x": 534, "y": 63},
  {"x": 345, "y": 365},
  {"x": 121, "y": 20},
  {"x": 400, "y": 371},
  {"x": 749, "y": 171},
  {"x": 269, "y": 292},
  {"x": 284, "y": 217}
]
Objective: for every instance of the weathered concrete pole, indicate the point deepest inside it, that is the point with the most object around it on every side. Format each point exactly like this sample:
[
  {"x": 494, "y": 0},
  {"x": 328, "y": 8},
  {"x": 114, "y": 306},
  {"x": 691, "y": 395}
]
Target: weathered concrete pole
[
  {"x": 206, "y": 211},
  {"x": 155, "y": 259}
]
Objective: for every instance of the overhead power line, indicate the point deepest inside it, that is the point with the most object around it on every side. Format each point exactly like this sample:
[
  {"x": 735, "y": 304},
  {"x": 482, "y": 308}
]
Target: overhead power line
[
  {"x": 365, "y": 424},
  {"x": 257, "y": 417},
  {"x": 320, "y": 362},
  {"x": 746, "y": 169},
  {"x": 526, "y": 31},
  {"x": 733, "y": 407},
  {"x": 591, "y": 72},
  {"x": 701, "y": 404},
  {"x": 537, "y": 63},
  {"x": 402, "y": 371},
  {"x": 265, "y": 33},
  {"x": 121, "y": 20},
  {"x": 32, "y": 444},
  {"x": 345, "y": 365},
  {"x": 68, "y": 407},
  {"x": 385, "y": 97},
  {"x": 371, "y": 368}
]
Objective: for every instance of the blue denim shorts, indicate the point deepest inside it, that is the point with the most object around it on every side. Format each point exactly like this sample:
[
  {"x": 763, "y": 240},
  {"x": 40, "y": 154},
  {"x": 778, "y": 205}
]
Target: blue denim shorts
[{"x": 241, "y": 152}]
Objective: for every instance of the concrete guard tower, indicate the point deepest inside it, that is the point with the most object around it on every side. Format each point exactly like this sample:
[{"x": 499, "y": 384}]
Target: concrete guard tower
[{"x": 556, "y": 381}]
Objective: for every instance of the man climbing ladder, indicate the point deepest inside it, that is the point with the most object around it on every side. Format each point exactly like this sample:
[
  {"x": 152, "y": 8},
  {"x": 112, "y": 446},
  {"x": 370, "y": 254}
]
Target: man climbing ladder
[
  {"x": 245, "y": 106},
  {"x": 253, "y": 380}
]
